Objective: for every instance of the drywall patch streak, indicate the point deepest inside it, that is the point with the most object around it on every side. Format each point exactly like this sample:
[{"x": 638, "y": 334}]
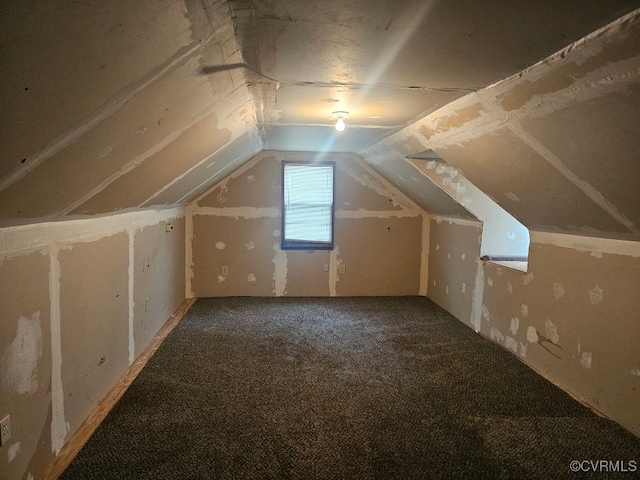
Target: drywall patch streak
[
  {"x": 132, "y": 342},
  {"x": 188, "y": 274},
  {"x": 424, "y": 257},
  {"x": 280, "y": 273},
  {"x": 59, "y": 426},
  {"x": 20, "y": 359},
  {"x": 333, "y": 271},
  {"x": 478, "y": 293}
]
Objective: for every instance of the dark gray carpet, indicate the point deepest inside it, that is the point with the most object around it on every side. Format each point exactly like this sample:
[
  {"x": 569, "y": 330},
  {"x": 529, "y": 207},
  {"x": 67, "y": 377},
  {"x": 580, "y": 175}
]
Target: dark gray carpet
[{"x": 341, "y": 388}]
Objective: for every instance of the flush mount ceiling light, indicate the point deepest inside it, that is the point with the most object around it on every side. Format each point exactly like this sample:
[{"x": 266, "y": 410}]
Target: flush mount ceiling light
[{"x": 339, "y": 117}]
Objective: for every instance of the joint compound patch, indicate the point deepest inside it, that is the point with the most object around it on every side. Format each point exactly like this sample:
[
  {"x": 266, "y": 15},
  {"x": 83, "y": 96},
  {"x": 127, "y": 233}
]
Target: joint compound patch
[
  {"x": 485, "y": 312},
  {"x": 13, "y": 451},
  {"x": 527, "y": 278},
  {"x": 596, "y": 254},
  {"x": 499, "y": 271},
  {"x": 551, "y": 331},
  {"x": 251, "y": 278},
  {"x": 463, "y": 256},
  {"x": 432, "y": 164},
  {"x": 464, "y": 288},
  {"x": 496, "y": 335},
  {"x": 490, "y": 281},
  {"x": 447, "y": 288},
  {"x": 222, "y": 194},
  {"x": 249, "y": 245},
  {"x": 221, "y": 279},
  {"x": 525, "y": 310},
  {"x": 220, "y": 245},
  {"x": 509, "y": 287},
  {"x": 437, "y": 247},
  {"x": 558, "y": 291},
  {"x": 515, "y": 325},
  {"x": 596, "y": 295},
  {"x": 532, "y": 335},
  {"x": 586, "y": 359},
  {"x": 511, "y": 343},
  {"x": 636, "y": 372},
  {"x": 523, "y": 350},
  {"x": 20, "y": 359},
  {"x": 276, "y": 233},
  {"x": 512, "y": 196},
  {"x": 251, "y": 179}
]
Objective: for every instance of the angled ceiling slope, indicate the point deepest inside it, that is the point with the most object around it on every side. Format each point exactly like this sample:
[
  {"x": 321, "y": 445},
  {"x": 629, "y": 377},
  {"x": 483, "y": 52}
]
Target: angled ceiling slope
[
  {"x": 105, "y": 106},
  {"x": 555, "y": 145},
  {"x": 123, "y": 105}
]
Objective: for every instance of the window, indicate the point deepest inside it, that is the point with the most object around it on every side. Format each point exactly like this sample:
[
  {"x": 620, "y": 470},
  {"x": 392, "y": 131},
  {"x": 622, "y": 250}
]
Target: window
[{"x": 307, "y": 205}]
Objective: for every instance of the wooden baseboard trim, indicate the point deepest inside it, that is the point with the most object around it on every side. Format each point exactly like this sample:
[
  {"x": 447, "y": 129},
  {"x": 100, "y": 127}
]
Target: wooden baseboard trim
[{"x": 95, "y": 418}]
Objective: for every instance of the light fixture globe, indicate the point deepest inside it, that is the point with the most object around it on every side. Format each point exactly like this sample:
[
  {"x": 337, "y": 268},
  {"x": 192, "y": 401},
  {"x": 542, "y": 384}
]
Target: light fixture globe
[{"x": 339, "y": 116}]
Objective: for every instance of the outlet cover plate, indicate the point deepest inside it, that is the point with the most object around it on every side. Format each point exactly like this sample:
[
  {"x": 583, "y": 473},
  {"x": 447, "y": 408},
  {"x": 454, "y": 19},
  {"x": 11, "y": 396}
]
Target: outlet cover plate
[{"x": 5, "y": 430}]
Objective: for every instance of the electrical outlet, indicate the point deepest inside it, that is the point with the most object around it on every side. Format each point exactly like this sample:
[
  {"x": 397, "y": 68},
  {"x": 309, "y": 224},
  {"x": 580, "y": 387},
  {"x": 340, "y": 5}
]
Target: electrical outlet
[
  {"x": 224, "y": 270},
  {"x": 5, "y": 430},
  {"x": 342, "y": 269},
  {"x": 147, "y": 304}
]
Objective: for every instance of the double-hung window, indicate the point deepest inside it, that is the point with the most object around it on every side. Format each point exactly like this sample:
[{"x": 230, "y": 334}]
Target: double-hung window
[{"x": 307, "y": 205}]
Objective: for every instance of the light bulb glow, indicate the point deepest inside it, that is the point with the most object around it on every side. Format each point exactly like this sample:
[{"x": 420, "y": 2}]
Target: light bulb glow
[{"x": 340, "y": 126}]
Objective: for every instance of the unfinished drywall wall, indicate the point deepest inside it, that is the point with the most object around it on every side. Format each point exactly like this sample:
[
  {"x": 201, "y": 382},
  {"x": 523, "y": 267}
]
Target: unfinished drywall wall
[
  {"x": 453, "y": 263},
  {"x": 94, "y": 322},
  {"x": 158, "y": 254},
  {"x": 25, "y": 362},
  {"x": 70, "y": 322},
  {"x": 573, "y": 316},
  {"x": 378, "y": 236}
]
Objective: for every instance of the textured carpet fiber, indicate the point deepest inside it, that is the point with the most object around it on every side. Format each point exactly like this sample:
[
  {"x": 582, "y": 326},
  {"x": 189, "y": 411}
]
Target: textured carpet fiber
[{"x": 341, "y": 388}]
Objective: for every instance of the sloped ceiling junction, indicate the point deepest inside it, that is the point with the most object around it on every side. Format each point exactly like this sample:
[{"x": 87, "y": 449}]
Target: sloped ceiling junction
[{"x": 111, "y": 106}]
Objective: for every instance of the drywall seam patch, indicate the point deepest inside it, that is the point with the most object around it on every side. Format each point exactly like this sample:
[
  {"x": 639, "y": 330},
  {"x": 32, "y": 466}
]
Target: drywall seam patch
[
  {"x": 456, "y": 221},
  {"x": 424, "y": 255},
  {"x": 478, "y": 294},
  {"x": 59, "y": 426},
  {"x": 587, "y": 244},
  {"x": 280, "y": 271},
  {"x": 595, "y": 196},
  {"x": 131, "y": 273},
  {"x": 238, "y": 212},
  {"x": 334, "y": 261},
  {"x": 249, "y": 152},
  {"x": 357, "y": 214},
  {"x": 73, "y": 135},
  {"x": 391, "y": 191},
  {"x": 22, "y": 239},
  {"x": 20, "y": 359},
  {"x": 231, "y": 175},
  {"x": 189, "y": 239}
]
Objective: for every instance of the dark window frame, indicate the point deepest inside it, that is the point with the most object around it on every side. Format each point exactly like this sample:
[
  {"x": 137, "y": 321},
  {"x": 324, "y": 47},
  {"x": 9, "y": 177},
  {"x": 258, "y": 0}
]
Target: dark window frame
[{"x": 305, "y": 244}]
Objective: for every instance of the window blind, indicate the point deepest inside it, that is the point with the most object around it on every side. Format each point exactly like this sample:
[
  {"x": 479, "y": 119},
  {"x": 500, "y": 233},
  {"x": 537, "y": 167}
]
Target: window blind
[{"x": 308, "y": 205}]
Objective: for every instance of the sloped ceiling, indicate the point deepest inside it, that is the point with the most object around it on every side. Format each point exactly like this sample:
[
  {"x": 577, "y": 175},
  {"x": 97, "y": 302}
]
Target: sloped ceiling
[{"x": 117, "y": 105}]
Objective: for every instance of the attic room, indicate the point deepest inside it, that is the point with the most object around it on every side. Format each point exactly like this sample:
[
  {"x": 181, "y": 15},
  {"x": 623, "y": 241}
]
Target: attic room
[{"x": 467, "y": 304}]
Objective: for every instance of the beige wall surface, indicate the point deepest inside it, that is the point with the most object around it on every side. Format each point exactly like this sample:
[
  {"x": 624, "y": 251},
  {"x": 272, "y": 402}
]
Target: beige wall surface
[
  {"x": 573, "y": 316},
  {"x": 378, "y": 236},
  {"x": 70, "y": 324},
  {"x": 453, "y": 263},
  {"x": 25, "y": 362}
]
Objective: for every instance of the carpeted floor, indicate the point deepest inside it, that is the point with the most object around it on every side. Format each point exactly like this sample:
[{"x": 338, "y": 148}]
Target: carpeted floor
[{"x": 328, "y": 388}]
